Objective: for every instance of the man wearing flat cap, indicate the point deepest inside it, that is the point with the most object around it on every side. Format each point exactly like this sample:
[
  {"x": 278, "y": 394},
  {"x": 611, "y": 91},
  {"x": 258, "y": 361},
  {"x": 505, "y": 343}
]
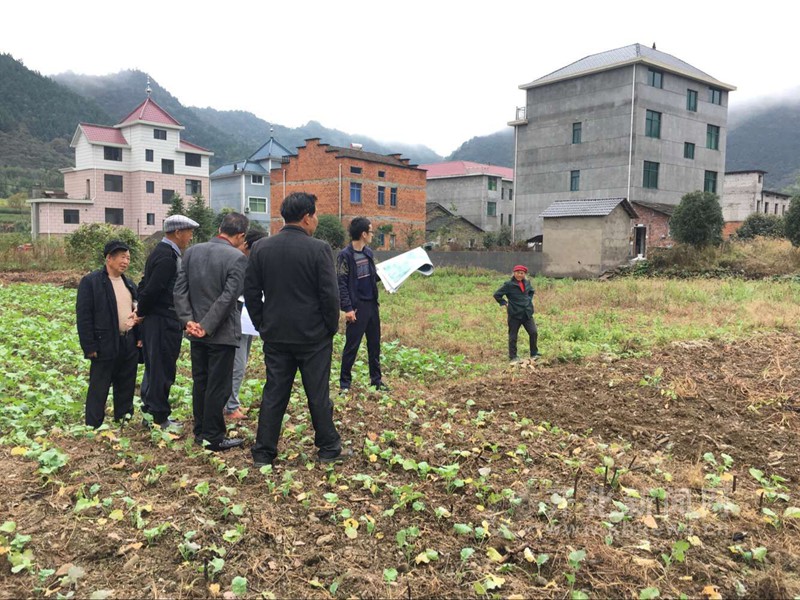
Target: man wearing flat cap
[
  {"x": 516, "y": 297},
  {"x": 161, "y": 329},
  {"x": 108, "y": 334}
]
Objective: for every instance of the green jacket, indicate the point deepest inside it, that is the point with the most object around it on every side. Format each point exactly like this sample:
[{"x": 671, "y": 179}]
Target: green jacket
[{"x": 520, "y": 304}]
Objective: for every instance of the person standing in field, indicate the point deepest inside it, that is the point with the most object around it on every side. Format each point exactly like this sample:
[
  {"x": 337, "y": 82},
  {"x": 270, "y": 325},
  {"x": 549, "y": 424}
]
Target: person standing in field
[
  {"x": 358, "y": 299},
  {"x": 293, "y": 299},
  {"x": 207, "y": 290},
  {"x": 516, "y": 296},
  {"x": 109, "y": 335},
  {"x": 161, "y": 330},
  {"x": 233, "y": 408}
]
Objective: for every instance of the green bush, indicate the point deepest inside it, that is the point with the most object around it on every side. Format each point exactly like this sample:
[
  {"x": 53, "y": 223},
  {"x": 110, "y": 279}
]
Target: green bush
[
  {"x": 759, "y": 224},
  {"x": 697, "y": 220},
  {"x": 85, "y": 245},
  {"x": 331, "y": 230},
  {"x": 201, "y": 214},
  {"x": 792, "y": 222}
]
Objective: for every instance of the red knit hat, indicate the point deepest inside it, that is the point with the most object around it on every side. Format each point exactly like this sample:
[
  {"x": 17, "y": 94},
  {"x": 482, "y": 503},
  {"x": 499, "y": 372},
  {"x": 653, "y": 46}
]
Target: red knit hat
[{"x": 521, "y": 268}]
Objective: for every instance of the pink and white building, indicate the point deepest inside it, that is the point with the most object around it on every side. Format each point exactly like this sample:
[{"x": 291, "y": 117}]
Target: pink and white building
[{"x": 125, "y": 175}]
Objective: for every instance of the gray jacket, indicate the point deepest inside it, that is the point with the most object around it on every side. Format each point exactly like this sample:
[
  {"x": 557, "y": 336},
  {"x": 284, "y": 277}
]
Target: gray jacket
[{"x": 209, "y": 283}]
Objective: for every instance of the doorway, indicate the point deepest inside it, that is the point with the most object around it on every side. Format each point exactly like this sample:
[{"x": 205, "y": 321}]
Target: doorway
[{"x": 640, "y": 240}]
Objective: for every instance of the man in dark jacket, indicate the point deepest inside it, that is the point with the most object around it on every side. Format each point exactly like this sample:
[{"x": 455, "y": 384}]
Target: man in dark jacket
[
  {"x": 161, "y": 330},
  {"x": 206, "y": 294},
  {"x": 296, "y": 318},
  {"x": 108, "y": 334},
  {"x": 519, "y": 306},
  {"x": 358, "y": 299}
]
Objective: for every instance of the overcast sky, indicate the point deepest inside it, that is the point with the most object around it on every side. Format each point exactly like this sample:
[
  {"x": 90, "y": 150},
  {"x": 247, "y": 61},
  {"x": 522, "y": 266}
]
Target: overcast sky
[{"x": 434, "y": 72}]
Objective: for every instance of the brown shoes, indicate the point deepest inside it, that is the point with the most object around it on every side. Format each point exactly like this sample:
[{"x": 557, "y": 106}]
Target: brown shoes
[{"x": 236, "y": 415}]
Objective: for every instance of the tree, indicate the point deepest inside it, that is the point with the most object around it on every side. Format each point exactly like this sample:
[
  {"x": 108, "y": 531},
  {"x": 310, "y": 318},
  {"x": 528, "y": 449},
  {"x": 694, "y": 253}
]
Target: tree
[
  {"x": 199, "y": 212},
  {"x": 17, "y": 201},
  {"x": 759, "y": 224},
  {"x": 792, "y": 221},
  {"x": 85, "y": 245},
  {"x": 331, "y": 230},
  {"x": 697, "y": 220},
  {"x": 177, "y": 207},
  {"x": 504, "y": 236}
]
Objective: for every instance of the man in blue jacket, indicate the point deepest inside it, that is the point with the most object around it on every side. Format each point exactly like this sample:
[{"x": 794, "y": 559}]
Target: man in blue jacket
[
  {"x": 108, "y": 334},
  {"x": 358, "y": 298}
]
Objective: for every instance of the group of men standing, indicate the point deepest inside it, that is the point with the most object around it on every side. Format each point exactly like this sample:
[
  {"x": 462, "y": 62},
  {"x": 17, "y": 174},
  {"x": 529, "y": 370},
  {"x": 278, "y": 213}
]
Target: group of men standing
[{"x": 293, "y": 293}]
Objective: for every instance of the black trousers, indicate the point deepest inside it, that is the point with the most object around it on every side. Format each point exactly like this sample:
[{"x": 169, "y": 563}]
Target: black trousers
[
  {"x": 161, "y": 337},
  {"x": 119, "y": 372},
  {"x": 282, "y": 362},
  {"x": 212, "y": 372},
  {"x": 368, "y": 320},
  {"x": 513, "y": 330}
]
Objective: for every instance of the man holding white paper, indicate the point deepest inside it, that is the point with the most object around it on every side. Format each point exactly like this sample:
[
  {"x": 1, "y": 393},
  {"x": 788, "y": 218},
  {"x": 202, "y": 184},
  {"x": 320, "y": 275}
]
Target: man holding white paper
[{"x": 358, "y": 299}]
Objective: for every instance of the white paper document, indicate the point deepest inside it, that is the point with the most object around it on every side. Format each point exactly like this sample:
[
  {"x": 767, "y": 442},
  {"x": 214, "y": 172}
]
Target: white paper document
[
  {"x": 247, "y": 323},
  {"x": 395, "y": 271}
]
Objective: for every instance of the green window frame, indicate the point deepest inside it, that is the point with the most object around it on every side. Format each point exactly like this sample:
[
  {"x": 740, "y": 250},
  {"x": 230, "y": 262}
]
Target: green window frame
[
  {"x": 688, "y": 150},
  {"x": 574, "y": 181},
  {"x": 258, "y": 205},
  {"x": 712, "y": 137},
  {"x": 710, "y": 182},
  {"x": 493, "y": 183},
  {"x": 652, "y": 124},
  {"x": 577, "y": 131},
  {"x": 715, "y": 96},
  {"x": 491, "y": 209},
  {"x": 655, "y": 78},
  {"x": 650, "y": 175},
  {"x": 691, "y": 100}
]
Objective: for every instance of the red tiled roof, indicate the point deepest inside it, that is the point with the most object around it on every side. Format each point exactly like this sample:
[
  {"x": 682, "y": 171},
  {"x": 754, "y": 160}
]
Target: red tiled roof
[
  {"x": 462, "y": 168},
  {"x": 101, "y": 134},
  {"x": 151, "y": 112},
  {"x": 190, "y": 146}
]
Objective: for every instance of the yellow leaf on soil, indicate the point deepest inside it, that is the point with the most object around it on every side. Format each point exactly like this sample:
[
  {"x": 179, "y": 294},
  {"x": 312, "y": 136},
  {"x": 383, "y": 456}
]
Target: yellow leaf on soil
[
  {"x": 494, "y": 555},
  {"x": 19, "y": 451},
  {"x": 712, "y": 592},
  {"x": 644, "y": 562},
  {"x": 650, "y": 521},
  {"x": 116, "y": 515},
  {"x": 694, "y": 540},
  {"x": 214, "y": 589},
  {"x": 422, "y": 557},
  {"x": 529, "y": 555},
  {"x": 351, "y": 523},
  {"x": 373, "y": 458}
]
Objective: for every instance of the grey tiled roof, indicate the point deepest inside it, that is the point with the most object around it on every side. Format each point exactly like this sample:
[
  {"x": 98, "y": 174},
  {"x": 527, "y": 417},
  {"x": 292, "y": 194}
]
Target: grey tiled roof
[
  {"x": 592, "y": 207},
  {"x": 386, "y": 159},
  {"x": 271, "y": 148},
  {"x": 666, "y": 209},
  {"x": 242, "y": 167},
  {"x": 624, "y": 56}
]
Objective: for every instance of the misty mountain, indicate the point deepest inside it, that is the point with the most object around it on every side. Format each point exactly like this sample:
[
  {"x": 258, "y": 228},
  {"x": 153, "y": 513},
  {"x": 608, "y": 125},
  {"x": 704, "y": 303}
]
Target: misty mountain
[{"x": 493, "y": 149}]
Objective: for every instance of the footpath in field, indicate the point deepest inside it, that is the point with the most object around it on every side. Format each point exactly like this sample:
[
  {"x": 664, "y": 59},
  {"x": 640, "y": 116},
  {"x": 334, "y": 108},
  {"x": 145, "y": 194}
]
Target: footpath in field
[{"x": 670, "y": 475}]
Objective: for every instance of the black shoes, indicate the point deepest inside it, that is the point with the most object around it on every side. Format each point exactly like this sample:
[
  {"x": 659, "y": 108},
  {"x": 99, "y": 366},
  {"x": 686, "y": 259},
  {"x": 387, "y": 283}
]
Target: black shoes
[
  {"x": 225, "y": 444},
  {"x": 168, "y": 425},
  {"x": 344, "y": 454},
  {"x": 382, "y": 387}
]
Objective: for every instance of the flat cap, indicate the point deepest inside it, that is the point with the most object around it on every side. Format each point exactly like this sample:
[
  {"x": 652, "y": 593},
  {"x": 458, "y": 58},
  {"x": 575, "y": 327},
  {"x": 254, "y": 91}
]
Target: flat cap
[
  {"x": 178, "y": 222},
  {"x": 113, "y": 246}
]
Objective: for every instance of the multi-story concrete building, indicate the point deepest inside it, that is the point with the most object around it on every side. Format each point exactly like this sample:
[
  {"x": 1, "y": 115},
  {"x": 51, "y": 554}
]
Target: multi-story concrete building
[
  {"x": 245, "y": 185},
  {"x": 745, "y": 195},
  {"x": 482, "y": 194},
  {"x": 349, "y": 182},
  {"x": 125, "y": 175},
  {"x": 633, "y": 123}
]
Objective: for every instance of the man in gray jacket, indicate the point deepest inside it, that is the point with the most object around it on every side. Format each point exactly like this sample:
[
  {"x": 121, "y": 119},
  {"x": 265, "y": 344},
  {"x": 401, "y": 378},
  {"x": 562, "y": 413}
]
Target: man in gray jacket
[{"x": 209, "y": 283}]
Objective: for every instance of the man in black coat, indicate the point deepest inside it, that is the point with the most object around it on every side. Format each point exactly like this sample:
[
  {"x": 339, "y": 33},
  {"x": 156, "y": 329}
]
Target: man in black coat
[
  {"x": 108, "y": 334},
  {"x": 296, "y": 318},
  {"x": 206, "y": 295},
  {"x": 161, "y": 330}
]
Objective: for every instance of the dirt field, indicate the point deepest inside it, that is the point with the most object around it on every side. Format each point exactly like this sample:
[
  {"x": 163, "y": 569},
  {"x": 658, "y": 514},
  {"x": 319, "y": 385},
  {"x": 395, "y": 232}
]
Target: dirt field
[{"x": 543, "y": 452}]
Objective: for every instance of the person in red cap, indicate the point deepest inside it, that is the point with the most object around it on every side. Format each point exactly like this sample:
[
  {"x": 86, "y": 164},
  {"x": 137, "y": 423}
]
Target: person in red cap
[{"x": 516, "y": 296}]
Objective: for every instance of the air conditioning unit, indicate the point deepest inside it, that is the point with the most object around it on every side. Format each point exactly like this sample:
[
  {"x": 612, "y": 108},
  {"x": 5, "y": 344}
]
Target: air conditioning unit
[{"x": 246, "y": 209}]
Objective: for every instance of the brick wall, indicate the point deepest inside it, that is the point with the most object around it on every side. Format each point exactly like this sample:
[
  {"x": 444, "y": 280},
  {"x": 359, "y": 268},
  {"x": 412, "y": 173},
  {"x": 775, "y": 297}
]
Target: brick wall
[
  {"x": 657, "y": 224},
  {"x": 316, "y": 170}
]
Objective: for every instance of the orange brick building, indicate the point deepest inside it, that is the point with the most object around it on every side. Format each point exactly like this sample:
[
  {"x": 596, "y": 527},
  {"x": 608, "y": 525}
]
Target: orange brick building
[{"x": 348, "y": 183}]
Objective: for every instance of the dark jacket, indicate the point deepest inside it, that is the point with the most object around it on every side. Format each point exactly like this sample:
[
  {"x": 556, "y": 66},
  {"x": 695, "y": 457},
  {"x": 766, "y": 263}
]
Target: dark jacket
[
  {"x": 96, "y": 315},
  {"x": 348, "y": 278},
  {"x": 520, "y": 304},
  {"x": 158, "y": 282},
  {"x": 296, "y": 274},
  {"x": 209, "y": 284}
]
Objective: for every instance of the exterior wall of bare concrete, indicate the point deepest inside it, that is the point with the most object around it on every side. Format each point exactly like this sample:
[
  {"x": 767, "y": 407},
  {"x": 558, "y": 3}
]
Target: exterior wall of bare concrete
[
  {"x": 585, "y": 247},
  {"x": 469, "y": 196},
  {"x": 315, "y": 171},
  {"x": 742, "y": 192},
  {"x": 601, "y": 102}
]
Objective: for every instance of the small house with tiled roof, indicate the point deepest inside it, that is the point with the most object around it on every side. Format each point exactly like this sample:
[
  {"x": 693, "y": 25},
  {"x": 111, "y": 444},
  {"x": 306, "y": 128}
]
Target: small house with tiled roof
[
  {"x": 632, "y": 122},
  {"x": 245, "y": 185},
  {"x": 583, "y": 238},
  {"x": 482, "y": 194},
  {"x": 126, "y": 174},
  {"x": 352, "y": 182},
  {"x": 446, "y": 228}
]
